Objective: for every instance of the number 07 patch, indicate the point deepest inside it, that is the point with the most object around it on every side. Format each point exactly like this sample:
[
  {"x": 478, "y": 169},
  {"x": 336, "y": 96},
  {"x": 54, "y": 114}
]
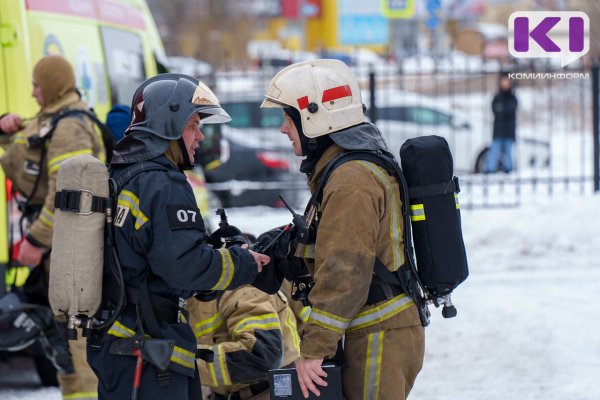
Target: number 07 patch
[{"x": 182, "y": 217}]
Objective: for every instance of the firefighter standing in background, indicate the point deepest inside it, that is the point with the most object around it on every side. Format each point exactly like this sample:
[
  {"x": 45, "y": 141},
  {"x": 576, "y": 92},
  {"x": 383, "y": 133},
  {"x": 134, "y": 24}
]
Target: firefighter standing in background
[
  {"x": 250, "y": 332},
  {"x": 31, "y": 161},
  {"x": 160, "y": 240},
  {"x": 358, "y": 224}
]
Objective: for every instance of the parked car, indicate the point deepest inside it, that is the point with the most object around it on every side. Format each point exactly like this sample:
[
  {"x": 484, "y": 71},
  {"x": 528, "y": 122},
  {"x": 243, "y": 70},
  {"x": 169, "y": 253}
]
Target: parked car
[
  {"x": 403, "y": 115},
  {"x": 248, "y": 170},
  {"x": 246, "y": 114}
]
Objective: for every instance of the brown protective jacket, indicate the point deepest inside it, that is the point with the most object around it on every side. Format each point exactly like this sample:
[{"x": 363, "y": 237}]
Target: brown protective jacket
[
  {"x": 73, "y": 135},
  {"x": 359, "y": 222},
  {"x": 249, "y": 333}
]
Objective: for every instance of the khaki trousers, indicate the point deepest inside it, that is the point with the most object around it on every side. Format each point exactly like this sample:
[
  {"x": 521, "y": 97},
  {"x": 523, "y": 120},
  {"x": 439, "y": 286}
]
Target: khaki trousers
[
  {"x": 83, "y": 384},
  {"x": 383, "y": 365}
]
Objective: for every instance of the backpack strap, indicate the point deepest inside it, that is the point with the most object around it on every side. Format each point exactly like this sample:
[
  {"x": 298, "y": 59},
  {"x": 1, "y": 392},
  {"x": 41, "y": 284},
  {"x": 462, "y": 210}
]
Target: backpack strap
[
  {"x": 107, "y": 137},
  {"x": 70, "y": 200},
  {"x": 436, "y": 189},
  {"x": 41, "y": 141},
  {"x": 379, "y": 157},
  {"x": 135, "y": 170}
]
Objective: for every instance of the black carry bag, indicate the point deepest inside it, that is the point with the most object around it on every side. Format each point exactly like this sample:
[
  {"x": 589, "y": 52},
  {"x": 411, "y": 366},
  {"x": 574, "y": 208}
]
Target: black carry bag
[{"x": 435, "y": 217}]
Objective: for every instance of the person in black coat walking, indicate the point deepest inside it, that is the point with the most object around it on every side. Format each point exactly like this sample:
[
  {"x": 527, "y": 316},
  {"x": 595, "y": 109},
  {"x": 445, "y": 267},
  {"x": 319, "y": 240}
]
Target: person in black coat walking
[{"x": 504, "y": 107}]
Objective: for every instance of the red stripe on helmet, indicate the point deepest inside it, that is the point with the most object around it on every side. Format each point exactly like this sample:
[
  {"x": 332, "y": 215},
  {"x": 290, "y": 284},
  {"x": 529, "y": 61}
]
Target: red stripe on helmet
[
  {"x": 303, "y": 102},
  {"x": 336, "y": 93}
]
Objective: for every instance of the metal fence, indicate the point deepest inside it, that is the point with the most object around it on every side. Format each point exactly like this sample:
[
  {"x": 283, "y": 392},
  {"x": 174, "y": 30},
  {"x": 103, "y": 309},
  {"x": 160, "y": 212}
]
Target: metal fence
[{"x": 554, "y": 153}]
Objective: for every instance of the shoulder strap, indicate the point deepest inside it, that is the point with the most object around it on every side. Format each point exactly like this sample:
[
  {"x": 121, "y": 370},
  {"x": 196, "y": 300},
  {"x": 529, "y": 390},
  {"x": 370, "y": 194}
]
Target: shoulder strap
[
  {"x": 133, "y": 171},
  {"x": 106, "y": 138},
  {"x": 379, "y": 157},
  {"x": 106, "y": 135}
]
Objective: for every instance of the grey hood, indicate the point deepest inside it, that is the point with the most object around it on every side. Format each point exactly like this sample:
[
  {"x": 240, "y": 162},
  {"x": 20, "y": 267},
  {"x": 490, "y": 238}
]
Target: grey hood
[{"x": 365, "y": 136}]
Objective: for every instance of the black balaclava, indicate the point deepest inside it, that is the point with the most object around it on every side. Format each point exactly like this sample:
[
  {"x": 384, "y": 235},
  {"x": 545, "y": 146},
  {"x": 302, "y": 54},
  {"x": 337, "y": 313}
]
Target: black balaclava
[{"x": 313, "y": 148}]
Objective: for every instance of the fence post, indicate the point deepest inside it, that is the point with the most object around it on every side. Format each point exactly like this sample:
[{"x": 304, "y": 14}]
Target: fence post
[
  {"x": 596, "y": 125},
  {"x": 373, "y": 108}
]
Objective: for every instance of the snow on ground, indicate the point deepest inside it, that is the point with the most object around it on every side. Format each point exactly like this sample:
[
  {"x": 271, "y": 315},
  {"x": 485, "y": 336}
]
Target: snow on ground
[{"x": 528, "y": 322}]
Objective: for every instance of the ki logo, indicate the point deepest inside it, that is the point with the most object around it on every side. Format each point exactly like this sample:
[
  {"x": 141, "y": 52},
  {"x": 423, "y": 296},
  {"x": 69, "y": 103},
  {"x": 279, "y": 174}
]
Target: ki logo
[{"x": 543, "y": 34}]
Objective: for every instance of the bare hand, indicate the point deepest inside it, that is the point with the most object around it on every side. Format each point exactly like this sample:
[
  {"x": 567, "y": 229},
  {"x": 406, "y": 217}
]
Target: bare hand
[
  {"x": 310, "y": 372},
  {"x": 260, "y": 259},
  {"x": 30, "y": 254},
  {"x": 11, "y": 123}
]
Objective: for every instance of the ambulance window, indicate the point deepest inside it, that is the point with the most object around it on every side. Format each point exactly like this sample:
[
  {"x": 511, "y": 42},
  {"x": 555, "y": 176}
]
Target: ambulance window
[{"x": 125, "y": 62}]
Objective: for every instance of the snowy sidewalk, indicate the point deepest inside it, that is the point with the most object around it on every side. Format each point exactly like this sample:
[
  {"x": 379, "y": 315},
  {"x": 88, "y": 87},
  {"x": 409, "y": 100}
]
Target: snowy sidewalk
[{"x": 528, "y": 324}]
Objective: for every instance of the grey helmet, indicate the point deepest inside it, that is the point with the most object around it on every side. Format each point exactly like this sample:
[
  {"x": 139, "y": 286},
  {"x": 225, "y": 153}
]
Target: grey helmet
[{"x": 163, "y": 104}]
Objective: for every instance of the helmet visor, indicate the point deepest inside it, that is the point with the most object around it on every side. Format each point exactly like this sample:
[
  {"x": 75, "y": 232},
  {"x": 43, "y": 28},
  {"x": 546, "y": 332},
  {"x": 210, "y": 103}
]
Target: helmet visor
[
  {"x": 269, "y": 102},
  {"x": 213, "y": 115}
]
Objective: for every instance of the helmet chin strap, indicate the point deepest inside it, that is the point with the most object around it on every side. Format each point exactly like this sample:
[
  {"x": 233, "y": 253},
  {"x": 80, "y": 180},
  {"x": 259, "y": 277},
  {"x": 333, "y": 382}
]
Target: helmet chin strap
[{"x": 187, "y": 163}]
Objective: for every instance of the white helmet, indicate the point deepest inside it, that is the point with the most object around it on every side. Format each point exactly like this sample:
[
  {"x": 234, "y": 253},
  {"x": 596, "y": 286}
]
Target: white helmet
[{"x": 324, "y": 92}]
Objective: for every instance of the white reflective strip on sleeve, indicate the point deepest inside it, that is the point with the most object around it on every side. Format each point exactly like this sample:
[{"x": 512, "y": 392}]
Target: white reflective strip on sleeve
[
  {"x": 380, "y": 313},
  {"x": 209, "y": 325},
  {"x": 264, "y": 322},
  {"x": 304, "y": 314},
  {"x": 183, "y": 357},
  {"x": 47, "y": 217},
  {"x": 220, "y": 367},
  {"x": 328, "y": 321},
  {"x": 226, "y": 270},
  {"x": 130, "y": 200}
]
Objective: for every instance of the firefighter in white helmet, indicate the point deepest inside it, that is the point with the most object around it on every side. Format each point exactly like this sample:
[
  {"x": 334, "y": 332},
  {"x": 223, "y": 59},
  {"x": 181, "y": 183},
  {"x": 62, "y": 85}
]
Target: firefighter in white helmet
[{"x": 357, "y": 224}]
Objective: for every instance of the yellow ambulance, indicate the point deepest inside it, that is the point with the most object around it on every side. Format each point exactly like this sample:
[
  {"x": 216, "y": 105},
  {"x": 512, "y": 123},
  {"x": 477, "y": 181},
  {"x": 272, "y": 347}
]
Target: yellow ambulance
[{"x": 113, "y": 46}]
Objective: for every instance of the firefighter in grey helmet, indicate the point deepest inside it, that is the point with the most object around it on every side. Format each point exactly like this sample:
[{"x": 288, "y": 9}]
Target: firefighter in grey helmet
[
  {"x": 160, "y": 240},
  {"x": 358, "y": 223}
]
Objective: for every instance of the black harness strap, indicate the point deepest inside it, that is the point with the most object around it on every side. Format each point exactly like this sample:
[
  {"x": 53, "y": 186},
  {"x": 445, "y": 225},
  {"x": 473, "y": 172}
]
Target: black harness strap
[
  {"x": 135, "y": 170},
  {"x": 36, "y": 140},
  {"x": 70, "y": 200},
  {"x": 107, "y": 137},
  {"x": 436, "y": 189}
]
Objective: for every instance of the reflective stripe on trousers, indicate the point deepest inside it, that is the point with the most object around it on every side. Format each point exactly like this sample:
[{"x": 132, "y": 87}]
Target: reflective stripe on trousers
[{"x": 373, "y": 366}]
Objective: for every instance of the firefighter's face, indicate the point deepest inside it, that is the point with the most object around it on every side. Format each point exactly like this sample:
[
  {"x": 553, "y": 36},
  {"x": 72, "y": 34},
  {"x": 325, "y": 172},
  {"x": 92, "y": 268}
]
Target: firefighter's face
[
  {"x": 192, "y": 135},
  {"x": 289, "y": 128},
  {"x": 37, "y": 93}
]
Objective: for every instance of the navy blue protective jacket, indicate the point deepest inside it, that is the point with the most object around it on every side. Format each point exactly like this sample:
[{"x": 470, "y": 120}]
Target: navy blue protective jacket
[{"x": 160, "y": 236}]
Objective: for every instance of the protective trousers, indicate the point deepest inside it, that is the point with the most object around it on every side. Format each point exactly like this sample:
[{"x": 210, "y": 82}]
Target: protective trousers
[
  {"x": 82, "y": 384},
  {"x": 382, "y": 365},
  {"x": 116, "y": 373}
]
